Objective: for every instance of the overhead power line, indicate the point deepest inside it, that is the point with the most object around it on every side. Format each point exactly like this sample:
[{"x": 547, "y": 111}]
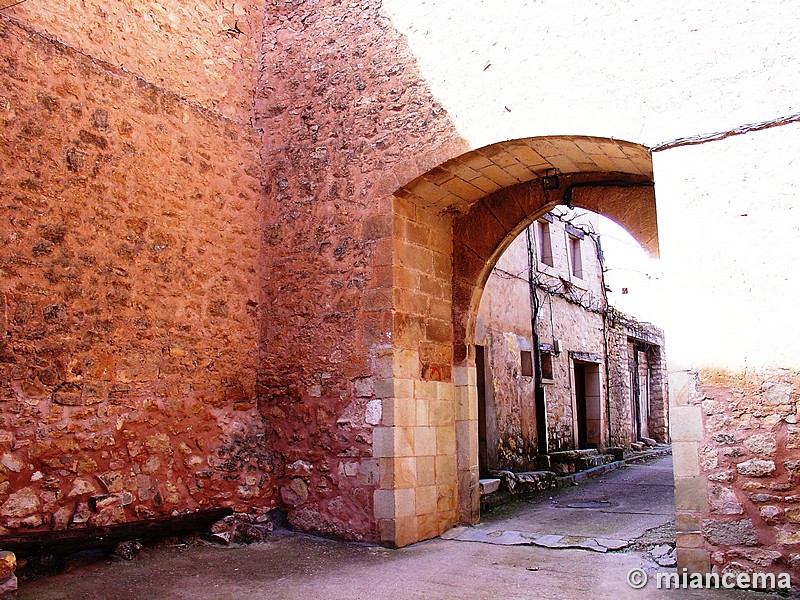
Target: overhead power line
[{"x": 721, "y": 135}]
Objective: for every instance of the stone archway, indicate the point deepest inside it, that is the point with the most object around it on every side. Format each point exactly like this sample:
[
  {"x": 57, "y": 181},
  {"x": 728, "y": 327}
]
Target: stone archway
[{"x": 450, "y": 226}]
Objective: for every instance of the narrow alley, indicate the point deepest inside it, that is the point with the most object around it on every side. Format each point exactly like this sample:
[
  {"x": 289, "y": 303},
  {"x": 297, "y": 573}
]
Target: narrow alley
[
  {"x": 611, "y": 512},
  {"x": 533, "y": 548}
]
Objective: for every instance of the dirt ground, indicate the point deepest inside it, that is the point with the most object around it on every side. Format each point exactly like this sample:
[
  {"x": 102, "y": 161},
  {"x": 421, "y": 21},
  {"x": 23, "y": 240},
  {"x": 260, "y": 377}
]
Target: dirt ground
[{"x": 496, "y": 559}]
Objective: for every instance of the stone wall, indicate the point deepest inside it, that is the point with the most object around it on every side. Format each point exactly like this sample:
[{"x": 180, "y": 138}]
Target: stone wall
[
  {"x": 622, "y": 331},
  {"x": 504, "y": 329},
  {"x": 659, "y": 392},
  {"x": 345, "y": 114},
  {"x": 738, "y": 458},
  {"x": 185, "y": 296},
  {"x": 581, "y": 334},
  {"x": 619, "y": 384},
  {"x": 734, "y": 348},
  {"x": 206, "y": 52},
  {"x": 167, "y": 290},
  {"x": 514, "y": 412},
  {"x": 128, "y": 300}
]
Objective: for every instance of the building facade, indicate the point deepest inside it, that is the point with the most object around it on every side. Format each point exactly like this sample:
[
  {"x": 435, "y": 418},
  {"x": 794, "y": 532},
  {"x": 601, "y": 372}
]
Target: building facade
[{"x": 601, "y": 375}]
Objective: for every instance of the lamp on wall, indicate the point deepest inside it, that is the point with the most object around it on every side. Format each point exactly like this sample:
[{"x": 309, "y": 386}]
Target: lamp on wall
[{"x": 550, "y": 180}]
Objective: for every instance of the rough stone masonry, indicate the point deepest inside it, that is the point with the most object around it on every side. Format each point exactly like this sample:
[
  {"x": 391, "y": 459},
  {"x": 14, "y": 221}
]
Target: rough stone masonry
[
  {"x": 211, "y": 296},
  {"x": 196, "y": 288},
  {"x": 129, "y": 299}
]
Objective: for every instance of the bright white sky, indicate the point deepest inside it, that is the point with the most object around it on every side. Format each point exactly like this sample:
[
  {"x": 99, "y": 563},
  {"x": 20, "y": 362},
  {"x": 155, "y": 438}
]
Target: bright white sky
[
  {"x": 648, "y": 72},
  {"x": 628, "y": 266},
  {"x": 637, "y": 70}
]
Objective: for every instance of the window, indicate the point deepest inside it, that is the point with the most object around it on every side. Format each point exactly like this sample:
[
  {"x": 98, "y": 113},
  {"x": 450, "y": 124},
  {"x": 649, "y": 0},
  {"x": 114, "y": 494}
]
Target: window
[
  {"x": 576, "y": 264},
  {"x": 546, "y": 361},
  {"x": 527, "y": 363},
  {"x": 544, "y": 247}
]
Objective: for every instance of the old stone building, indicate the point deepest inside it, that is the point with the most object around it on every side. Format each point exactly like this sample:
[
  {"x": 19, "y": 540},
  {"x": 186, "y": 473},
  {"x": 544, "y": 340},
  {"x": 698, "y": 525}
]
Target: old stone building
[
  {"x": 244, "y": 246},
  {"x": 602, "y": 375}
]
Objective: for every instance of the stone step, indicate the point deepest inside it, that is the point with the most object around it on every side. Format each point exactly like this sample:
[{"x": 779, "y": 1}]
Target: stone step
[
  {"x": 588, "y": 452},
  {"x": 589, "y": 462},
  {"x": 527, "y": 481},
  {"x": 618, "y": 452},
  {"x": 571, "y": 455},
  {"x": 489, "y": 486}
]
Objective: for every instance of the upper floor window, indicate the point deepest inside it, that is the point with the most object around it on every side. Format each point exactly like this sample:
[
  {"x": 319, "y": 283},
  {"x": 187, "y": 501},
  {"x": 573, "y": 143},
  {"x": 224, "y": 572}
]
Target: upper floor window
[
  {"x": 546, "y": 364},
  {"x": 526, "y": 363},
  {"x": 575, "y": 259},
  {"x": 545, "y": 248}
]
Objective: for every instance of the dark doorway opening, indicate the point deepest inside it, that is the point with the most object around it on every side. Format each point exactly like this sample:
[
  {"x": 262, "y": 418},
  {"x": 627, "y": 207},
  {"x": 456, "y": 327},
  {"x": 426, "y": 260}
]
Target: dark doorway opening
[
  {"x": 588, "y": 404},
  {"x": 483, "y": 451},
  {"x": 639, "y": 367},
  {"x": 580, "y": 404}
]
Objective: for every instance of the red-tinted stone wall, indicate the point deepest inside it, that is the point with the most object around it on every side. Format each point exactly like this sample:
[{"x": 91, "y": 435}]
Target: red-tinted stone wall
[
  {"x": 344, "y": 115},
  {"x": 128, "y": 297},
  {"x": 205, "y": 51},
  {"x": 743, "y": 512}
]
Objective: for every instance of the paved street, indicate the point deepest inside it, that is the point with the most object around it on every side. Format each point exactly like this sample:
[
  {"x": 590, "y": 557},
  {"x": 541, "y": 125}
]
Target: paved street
[
  {"x": 617, "y": 508},
  {"x": 632, "y": 504}
]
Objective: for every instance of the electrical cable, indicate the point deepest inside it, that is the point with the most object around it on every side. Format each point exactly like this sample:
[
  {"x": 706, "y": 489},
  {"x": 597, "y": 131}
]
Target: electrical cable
[
  {"x": 604, "y": 316},
  {"x": 539, "y": 399},
  {"x": 721, "y": 135}
]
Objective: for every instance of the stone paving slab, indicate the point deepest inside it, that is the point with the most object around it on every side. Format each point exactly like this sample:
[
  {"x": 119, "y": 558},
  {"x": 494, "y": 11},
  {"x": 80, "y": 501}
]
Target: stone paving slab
[{"x": 519, "y": 538}]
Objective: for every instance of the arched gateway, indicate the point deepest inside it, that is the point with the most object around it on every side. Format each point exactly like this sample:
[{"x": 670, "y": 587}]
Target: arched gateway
[{"x": 451, "y": 223}]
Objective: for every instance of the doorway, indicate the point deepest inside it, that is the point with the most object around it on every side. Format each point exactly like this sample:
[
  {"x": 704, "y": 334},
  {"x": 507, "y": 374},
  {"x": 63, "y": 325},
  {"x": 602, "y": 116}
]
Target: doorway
[
  {"x": 483, "y": 452},
  {"x": 639, "y": 369},
  {"x": 588, "y": 404}
]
